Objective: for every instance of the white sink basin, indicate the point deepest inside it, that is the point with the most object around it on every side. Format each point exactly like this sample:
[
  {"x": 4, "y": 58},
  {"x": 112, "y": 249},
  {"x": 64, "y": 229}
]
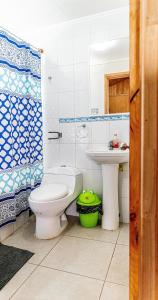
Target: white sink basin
[
  {"x": 110, "y": 160},
  {"x": 106, "y": 156}
]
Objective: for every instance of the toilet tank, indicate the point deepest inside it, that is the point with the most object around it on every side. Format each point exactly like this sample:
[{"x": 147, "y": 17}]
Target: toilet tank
[{"x": 72, "y": 177}]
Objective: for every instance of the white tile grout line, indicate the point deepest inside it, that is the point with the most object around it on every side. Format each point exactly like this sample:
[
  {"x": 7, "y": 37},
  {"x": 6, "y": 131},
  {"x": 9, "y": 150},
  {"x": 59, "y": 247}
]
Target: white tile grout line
[
  {"x": 72, "y": 273},
  {"x": 51, "y": 250},
  {"x": 13, "y": 294},
  {"x": 121, "y": 284},
  {"x": 117, "y": 242},
  {"x": 92, "y": 239},
  {"x": 54, "y": 246},
  {"x": 109, "y": 266},
  {"x": 37, "y": 265},
  {"x": 77, "y": 274},
  {"x": 80, "y": 274},
  {"x": 121, "y": 244},
  {"x": 84, "y": 238}
]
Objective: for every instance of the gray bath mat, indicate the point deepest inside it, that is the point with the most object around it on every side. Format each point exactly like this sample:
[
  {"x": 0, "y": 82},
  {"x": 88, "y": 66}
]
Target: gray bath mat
[{"x": 11, "y": 261}]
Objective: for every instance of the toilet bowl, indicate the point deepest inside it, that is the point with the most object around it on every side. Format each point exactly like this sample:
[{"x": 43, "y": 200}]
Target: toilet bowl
[{"x": 60, "y": 186}]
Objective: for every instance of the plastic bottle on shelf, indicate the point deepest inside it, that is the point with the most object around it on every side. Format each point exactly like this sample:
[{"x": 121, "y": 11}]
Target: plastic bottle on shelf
[{"x": 115, "y": 141}]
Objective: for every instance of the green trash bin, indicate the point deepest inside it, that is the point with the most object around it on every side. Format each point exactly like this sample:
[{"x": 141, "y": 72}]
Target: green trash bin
[{"x": 89, "y": 206}]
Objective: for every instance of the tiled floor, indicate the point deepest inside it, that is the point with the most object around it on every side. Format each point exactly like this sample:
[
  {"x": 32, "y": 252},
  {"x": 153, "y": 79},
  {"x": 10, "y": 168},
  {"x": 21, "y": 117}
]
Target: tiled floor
[{"x": 81, "y": 264}]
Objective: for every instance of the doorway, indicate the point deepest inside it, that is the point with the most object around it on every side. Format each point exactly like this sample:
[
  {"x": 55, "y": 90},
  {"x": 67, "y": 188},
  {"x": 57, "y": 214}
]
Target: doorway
[{"x": 116, "y": 91}]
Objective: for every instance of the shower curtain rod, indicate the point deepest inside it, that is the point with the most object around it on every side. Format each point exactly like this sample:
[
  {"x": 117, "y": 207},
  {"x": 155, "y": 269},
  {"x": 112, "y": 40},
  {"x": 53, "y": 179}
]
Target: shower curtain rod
[{"x": 38, "y": 49}]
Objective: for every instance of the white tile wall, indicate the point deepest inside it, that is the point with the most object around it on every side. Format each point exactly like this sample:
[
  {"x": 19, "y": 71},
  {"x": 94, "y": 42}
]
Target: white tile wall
[
  {"x": 53, "y": 154},
  {"x": 81, "y": 76},
  {"x": 81, "y": 48},
  {"x": 68, "y": 133},
  {"x": 121, "y": 128},
  {"x": 82, "y": 160},
  {"x": 82, "y": 107},
  {"x": 66, "y": 53},
  {"x": 83, "y": 134},
  {"x": 77, "y": 86},
  {"x": 52, "y": 107},
  {"x": 124, "y": 209},
  {"x": 66, "y": 78},
  {"x": 67, "y": 154},
  {"x": 66, "y": 104},
  {"x": 97, "y": 83},
  {"x": 100, "y": 132},
  {"x": 92, "y": 180},
  {"x": 53, "y": 84},
  {"x": 124, "y": 193}
]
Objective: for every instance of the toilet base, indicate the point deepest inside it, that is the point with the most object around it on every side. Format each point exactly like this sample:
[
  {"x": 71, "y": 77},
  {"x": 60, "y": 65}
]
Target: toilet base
[{"x": 48, "y": 228}]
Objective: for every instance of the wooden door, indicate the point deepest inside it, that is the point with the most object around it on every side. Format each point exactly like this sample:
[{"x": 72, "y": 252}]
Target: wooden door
[
  {"x": 135, "y": 147},
  {"x": 116, "y": 92},
  {"x": 144, "y": 150}
]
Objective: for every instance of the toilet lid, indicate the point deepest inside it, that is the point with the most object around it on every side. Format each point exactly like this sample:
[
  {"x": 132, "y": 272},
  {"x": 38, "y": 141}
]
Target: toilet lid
[{"x": 49, "y": 192}]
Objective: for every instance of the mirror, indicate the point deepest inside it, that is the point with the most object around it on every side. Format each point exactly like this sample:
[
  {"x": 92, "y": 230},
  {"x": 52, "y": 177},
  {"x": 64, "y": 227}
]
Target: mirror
[{"x": 109, "y": 76}]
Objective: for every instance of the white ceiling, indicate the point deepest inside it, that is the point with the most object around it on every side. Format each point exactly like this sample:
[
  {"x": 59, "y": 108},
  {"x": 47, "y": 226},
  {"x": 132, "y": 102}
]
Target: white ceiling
[{"x": 22, "y": 15}]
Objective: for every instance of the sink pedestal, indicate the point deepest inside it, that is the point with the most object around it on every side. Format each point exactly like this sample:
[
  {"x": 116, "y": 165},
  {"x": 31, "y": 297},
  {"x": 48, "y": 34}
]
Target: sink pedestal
[
  {"x": 110, "y": 218},
  {"x": 110, "y": 160}
]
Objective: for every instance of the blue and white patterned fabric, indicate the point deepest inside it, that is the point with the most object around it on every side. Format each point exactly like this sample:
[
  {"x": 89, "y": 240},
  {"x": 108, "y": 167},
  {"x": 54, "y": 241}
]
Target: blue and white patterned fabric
[{"x": 21, "y": 157}]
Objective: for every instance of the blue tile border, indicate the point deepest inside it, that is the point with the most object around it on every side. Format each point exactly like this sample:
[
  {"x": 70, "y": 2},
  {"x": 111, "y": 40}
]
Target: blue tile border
[{"x": 110, "y": 117}]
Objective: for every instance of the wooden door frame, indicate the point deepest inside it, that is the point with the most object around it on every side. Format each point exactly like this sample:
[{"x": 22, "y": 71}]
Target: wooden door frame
[
  {"x": 107, "y": 78},
  {"x": 143, "y": 150}
]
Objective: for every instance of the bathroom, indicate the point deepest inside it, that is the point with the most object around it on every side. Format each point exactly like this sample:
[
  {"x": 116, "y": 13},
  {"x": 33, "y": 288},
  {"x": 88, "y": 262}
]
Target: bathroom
[{"x": 80, "y": 48}]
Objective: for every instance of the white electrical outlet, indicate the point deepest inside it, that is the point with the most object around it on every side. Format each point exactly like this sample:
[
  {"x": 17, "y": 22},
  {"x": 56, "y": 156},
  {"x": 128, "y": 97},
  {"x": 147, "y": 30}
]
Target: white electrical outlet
[{"x": 94, "y": 111}]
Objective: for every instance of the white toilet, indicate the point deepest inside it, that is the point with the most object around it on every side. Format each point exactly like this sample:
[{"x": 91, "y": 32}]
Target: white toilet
[{"x": 59, "y": 187}]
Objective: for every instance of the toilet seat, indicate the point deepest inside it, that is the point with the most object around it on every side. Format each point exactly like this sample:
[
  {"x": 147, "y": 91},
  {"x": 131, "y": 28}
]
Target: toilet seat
[{"x": 49, "y": 192}]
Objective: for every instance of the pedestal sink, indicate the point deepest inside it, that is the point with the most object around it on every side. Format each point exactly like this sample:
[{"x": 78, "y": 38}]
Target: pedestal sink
[{"x": 110, "y": 160}]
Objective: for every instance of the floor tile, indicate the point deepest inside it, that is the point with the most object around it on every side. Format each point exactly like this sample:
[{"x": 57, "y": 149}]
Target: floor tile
[
  {"x": 16, "y": 281},
  {"x": 24, "y": 238},
  {"x": 124, "y": 235},
  {"x": 21, "y": 220},
  {"x": 48, "y": 284},
  {"x": 113, "y": 291},
  {"x": 81, "y": 256},
  {"x": 6, "y": 231},
  {"x": 96, "y": 233},
  {"x": 119, "y": 268}
]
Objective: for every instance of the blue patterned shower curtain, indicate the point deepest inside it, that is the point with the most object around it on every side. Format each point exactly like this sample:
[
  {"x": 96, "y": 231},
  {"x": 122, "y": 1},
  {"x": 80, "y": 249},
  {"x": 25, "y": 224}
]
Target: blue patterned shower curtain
[{"x": 20, "y": 125}]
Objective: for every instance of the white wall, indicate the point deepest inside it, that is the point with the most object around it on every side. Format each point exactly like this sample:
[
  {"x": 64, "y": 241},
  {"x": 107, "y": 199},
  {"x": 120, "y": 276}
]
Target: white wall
[
  {"x": 76, "y": 87},
  {"x": 18, "y": 16}
]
